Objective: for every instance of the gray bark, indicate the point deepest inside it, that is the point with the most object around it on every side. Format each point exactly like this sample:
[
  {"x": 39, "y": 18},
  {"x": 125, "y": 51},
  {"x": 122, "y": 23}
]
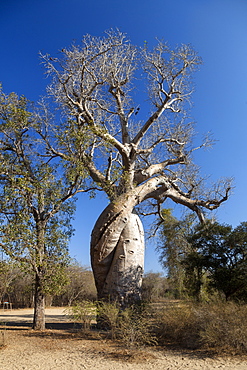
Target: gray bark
[
  {"x": 117, "y": 254},
  {"x": 39, "y": 306}
]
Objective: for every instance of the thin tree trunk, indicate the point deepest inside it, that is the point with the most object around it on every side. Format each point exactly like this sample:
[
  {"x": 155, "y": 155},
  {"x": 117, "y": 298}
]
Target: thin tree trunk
[
  {"x": 39, "y": 306},
  {"x": 117, "y": 255}
]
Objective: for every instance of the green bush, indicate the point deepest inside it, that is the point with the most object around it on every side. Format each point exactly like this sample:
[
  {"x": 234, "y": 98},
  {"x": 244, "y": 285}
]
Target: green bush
[
  {"x": 83, "y": 312},
  {"x": 107, "y": 317}
]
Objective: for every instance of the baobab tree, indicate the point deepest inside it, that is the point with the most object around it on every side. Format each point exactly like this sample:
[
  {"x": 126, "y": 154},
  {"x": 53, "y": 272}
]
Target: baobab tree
[{"x": 132, "y": 150}]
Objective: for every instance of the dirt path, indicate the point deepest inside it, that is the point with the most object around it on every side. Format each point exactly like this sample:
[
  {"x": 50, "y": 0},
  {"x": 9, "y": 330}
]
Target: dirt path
[{"x": 65, "y": 348}]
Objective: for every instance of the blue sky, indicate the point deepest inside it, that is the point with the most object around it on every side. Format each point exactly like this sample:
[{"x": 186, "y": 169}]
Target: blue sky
[{"x": 217, "y": 29}]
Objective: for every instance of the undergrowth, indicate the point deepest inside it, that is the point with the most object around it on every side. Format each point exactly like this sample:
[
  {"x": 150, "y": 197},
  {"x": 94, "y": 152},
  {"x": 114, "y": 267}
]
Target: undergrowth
[
  {"x": 217, "y": 326},
  {"x": 83, "y": 312}
]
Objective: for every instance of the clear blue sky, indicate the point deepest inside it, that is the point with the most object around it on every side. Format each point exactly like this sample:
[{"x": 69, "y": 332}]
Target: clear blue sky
[{"x": 217, "y": 29}]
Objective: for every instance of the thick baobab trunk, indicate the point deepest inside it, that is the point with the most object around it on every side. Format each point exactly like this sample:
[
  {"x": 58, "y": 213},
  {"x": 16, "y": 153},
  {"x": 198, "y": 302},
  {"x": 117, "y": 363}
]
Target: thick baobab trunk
[
  {"x": 117, "y": 255},
  {"x": 39, "y": 306}
]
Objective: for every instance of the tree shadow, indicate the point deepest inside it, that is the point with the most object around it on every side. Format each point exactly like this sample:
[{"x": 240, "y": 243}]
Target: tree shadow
[
  {"x": 17, "y": 325},
  {"x": 25, "y": 322}
]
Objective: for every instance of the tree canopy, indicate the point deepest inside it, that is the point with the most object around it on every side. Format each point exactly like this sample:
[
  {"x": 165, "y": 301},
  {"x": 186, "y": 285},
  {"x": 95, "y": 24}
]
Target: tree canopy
[
  {"x": 204, "y": 258},
  {"x": 222, "y": 251},
  {"x": 100, "y": 87}
]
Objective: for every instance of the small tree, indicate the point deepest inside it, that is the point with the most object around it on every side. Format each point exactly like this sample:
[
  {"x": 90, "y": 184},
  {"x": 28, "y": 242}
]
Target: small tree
[
  {"x": 132, "y": 152},
  {"x": 35, "y": 200},
  {"x": 173, "y": 247}
]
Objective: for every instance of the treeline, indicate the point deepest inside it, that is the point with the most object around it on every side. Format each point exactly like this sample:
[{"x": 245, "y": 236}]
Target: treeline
[
  {"x": 17, "y": 285},
  {"x": 202, "y": 262}
]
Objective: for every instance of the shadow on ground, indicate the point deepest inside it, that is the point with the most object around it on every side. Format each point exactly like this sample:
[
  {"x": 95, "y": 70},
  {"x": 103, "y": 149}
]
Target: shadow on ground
[{"x": 14, "y": 325}]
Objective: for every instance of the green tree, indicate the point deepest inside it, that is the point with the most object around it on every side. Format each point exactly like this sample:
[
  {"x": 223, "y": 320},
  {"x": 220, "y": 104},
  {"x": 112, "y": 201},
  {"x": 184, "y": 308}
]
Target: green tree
[
  {"x": 194, "y": 274},
  {"x": 222, "y": 252},
  {"x": 36, "y": 203},
  {"x": 132, "y": 152},
  {"x": 173, "y": 247},
  {"x": 7, "y": 275}
]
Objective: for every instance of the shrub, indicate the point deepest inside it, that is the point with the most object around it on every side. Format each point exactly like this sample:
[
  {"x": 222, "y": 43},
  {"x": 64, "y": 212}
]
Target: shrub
[
  {"x": 131, "y": 326},
  {"x": 83, "y": 312},
  {"x": 177, "y": 325},
  {"x": 107, "y": 316},
  {"x": 135, "y": 327}
]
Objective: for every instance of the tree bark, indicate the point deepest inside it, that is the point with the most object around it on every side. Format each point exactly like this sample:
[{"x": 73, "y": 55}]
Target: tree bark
[
  {"x": 39, "y": 306},
  {"x": 117, "y": 255}
]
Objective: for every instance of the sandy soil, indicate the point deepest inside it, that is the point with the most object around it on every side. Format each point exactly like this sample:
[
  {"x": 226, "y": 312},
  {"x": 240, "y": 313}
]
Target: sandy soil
[{"x": 63, "y": 347}]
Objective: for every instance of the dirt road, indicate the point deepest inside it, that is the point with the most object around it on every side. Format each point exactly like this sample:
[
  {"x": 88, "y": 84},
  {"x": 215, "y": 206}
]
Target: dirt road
[{"x": 63, "y": 347}]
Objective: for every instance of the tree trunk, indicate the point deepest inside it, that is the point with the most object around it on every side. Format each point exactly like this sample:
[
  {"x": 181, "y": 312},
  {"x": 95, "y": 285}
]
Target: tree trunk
[
  {"x": 117, "y": 255},
  {"x": 39, "y": 306}
]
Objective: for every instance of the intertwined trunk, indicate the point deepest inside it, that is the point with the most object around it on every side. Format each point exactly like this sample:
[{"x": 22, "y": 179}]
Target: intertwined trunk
[{"x": 117, "y": 254}]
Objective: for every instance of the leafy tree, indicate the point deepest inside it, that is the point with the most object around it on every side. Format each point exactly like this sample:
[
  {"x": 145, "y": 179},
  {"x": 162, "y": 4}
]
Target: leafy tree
[
  {"x": 222, "y": 251},
  {"x": 173, "y": 248},
  {"x": 35, "y": 201},
  {"x": 7, "y": 275},
  {"x": 204, "y": 256},
  {"x": 194, "y": 274},
  {"x": 134, "y": 153}
]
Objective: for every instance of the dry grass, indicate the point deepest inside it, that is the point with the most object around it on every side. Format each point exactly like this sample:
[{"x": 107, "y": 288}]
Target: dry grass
[
  {"x": 218, "y": 326},
  {"x": 225, "y": 327}
]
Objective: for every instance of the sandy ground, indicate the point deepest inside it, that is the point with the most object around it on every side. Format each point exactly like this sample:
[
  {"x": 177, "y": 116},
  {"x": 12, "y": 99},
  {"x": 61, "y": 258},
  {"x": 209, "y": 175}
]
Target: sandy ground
[{"x": 63, "y": 347}]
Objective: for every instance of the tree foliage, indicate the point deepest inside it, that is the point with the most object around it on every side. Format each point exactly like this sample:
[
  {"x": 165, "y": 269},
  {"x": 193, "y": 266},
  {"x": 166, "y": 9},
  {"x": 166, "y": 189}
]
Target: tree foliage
[
  {"x": 207, "y": 257},
  {"x": 79, "y": 288},
  {"x": 174, "y": 247},
  {"x": 222, "y": 252},
  {"x": 35, "y": 199}
]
